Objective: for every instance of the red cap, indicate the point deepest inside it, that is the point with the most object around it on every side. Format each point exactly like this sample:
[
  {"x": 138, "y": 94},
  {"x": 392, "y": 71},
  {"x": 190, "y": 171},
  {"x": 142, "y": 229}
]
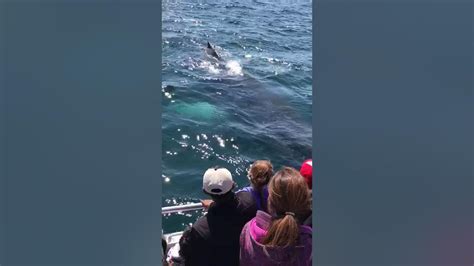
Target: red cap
[{"x": 307, "y": 172}]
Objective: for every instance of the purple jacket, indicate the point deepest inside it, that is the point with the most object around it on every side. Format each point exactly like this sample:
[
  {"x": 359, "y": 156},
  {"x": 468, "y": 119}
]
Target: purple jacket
[
  {"x": 252, "y": 252},
  {"x": 260, "y": 199}
]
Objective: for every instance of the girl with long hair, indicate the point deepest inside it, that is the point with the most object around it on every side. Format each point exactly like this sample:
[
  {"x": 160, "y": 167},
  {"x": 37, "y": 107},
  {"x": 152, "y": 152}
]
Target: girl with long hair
[{"x": 278, "y": 237}]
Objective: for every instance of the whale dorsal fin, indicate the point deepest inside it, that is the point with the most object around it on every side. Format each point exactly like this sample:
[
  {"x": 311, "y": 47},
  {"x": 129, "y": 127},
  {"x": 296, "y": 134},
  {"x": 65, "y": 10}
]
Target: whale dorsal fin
[{"x": 209, "y": 45}]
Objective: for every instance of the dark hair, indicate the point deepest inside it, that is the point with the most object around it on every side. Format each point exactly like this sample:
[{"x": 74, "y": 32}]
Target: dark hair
[
  {"x": 221, "y": 198},
  {"x": 185, "y": 248},
  {"x": 288, "y": 199},
  {"x": 164, "y": 246}
]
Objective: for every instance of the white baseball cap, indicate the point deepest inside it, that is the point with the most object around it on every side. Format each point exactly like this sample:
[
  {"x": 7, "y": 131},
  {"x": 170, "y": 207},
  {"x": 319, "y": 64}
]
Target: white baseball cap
[{"x": 217, "y": 181}]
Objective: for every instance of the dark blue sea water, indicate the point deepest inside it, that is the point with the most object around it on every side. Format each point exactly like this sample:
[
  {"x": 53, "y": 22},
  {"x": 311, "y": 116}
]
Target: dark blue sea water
[{"x": 254, "y": 103}]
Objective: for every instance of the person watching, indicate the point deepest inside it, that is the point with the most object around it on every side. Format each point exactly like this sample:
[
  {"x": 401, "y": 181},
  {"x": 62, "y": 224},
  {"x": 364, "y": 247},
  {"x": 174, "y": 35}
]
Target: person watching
[
  {"x": 278, "y": 237},
  {"x": 214, "y": 238}
]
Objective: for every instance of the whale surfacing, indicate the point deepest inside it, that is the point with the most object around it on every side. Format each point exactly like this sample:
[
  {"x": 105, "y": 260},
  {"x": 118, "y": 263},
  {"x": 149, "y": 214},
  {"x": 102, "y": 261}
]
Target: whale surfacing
[{"x": 211, "y": 51}]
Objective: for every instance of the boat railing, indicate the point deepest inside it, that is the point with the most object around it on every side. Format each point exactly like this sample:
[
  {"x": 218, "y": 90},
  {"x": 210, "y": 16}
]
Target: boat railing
[
  {"x": 172, "y": 239},
  {"x": 181, "y": 208}
]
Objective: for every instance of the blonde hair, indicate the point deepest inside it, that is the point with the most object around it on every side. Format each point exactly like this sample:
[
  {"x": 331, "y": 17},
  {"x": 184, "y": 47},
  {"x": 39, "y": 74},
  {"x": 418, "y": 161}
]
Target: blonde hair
[
  {"x": 288, "y": 199},
  {"x": 260, "y": 173}
]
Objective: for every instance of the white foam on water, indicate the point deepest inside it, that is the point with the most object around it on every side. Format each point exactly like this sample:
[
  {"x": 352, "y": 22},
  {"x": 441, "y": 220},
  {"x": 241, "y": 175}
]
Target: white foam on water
[
  {"x": 233, "y": 68},
  {"x": 214, "y": 70},
  {"x": 210, "y": 67}
]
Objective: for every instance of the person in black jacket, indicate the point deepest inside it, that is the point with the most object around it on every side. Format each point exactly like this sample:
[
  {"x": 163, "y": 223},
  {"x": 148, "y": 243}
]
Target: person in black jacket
[
  {"x": 164, "y": 250},
  {"x": 214, "y": 238}
]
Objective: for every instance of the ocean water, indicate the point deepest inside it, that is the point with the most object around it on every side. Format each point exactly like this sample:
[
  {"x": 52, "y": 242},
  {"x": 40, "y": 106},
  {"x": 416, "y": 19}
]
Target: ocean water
[{"x": 253, "y": 103}]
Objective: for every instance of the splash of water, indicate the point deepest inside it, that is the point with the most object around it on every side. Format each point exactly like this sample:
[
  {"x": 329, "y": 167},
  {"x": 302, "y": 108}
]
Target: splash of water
[
  {"x": 234, "y": 68},
  {"x": 210, "y": 67}
]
